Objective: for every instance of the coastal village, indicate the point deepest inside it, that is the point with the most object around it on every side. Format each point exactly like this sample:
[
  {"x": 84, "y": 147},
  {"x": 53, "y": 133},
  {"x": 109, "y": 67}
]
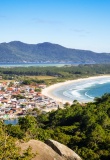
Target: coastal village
[{"x": 19, "y": 100}]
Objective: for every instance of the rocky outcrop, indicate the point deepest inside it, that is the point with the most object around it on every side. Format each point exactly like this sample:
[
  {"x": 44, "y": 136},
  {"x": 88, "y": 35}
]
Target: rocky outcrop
[
  {"x": 53, "y": 150},
  {"x": 62, "y": 150},
  {"x": 42, "y": 151}
]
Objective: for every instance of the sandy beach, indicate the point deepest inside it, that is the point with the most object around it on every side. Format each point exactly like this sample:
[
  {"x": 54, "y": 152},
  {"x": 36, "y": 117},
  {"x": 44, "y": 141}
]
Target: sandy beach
[{"x": 48, "y": 91}]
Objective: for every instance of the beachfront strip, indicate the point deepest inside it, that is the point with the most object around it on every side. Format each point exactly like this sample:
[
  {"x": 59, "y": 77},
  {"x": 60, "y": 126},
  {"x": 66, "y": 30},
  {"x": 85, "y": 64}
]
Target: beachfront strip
[{"x": 19, "y": 100}]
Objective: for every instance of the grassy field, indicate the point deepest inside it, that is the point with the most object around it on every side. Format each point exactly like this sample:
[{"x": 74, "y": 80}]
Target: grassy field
[
  {"x": 42, "y": 77},
  {"x": 3, "y": 80}
]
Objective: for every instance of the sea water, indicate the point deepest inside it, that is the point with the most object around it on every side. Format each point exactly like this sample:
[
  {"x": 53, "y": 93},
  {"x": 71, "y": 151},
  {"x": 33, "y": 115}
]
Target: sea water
[{"x": 84, "y": 90}]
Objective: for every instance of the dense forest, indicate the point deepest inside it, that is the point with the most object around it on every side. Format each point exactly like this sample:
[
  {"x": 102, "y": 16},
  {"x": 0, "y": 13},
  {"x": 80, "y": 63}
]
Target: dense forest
[
  {"x": 85, "y": 128},
  {"x": 65, "y": 72}
]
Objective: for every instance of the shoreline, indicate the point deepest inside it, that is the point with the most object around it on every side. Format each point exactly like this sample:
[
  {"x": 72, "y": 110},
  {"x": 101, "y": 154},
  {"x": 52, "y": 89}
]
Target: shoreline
[{"x": 48, "y": 91}]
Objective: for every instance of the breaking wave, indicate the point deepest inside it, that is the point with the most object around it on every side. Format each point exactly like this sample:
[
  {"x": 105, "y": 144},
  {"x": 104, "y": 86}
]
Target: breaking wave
[{"x": 88, "y": 89}]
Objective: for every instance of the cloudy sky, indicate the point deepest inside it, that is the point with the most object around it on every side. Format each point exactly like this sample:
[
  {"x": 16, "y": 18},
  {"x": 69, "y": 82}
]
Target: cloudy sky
[{"x": 80, "y": 24}]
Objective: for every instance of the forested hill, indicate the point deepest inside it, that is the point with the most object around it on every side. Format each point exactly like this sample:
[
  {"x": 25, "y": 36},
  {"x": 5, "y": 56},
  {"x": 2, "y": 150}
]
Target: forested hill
[
  {"x": 85, "y": 128},
  {"x": 17, "y": 51}
]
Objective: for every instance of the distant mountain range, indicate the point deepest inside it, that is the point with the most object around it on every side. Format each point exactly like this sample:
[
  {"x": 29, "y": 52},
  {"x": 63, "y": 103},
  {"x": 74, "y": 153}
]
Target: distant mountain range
[{"x": 17, "y": 52}]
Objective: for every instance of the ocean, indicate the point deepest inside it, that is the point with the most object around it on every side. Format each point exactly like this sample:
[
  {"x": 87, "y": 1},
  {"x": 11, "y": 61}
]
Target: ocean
[{"x": 83, "y": 91}]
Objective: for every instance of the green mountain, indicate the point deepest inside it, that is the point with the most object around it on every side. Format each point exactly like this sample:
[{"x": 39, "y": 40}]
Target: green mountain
[{"x": 17, "y": 51}]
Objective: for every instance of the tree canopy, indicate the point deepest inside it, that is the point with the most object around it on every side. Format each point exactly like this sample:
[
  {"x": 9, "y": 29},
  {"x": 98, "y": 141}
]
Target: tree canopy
[{"x": 85, "y": 128}]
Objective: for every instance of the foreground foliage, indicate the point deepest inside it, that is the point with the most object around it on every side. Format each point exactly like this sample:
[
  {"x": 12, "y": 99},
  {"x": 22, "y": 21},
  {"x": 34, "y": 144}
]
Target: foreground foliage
[
  {"x": 8, "y": 146},
  {"x": 85, "y": 128}
]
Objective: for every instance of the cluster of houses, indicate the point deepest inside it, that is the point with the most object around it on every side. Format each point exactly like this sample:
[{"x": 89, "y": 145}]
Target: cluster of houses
[{"x": 18, "y": 100}]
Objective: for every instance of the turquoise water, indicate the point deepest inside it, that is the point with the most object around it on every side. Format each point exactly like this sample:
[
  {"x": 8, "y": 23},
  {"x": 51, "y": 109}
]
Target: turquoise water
[
  {"x": 84, "y": 91},
  {"x": 97, "y": 90},
  {"x": 11, "y": 121}
]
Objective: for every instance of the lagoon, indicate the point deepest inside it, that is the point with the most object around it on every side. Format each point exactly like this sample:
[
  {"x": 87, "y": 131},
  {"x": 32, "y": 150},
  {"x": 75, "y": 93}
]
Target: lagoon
[
  {"x": 6, "y": 65},
  {"x": 11, "y": 121}
]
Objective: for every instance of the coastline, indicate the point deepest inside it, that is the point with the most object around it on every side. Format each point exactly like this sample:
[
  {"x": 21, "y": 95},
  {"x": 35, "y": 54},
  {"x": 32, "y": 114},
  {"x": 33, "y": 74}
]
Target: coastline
[{"x": 48, "y": 91}]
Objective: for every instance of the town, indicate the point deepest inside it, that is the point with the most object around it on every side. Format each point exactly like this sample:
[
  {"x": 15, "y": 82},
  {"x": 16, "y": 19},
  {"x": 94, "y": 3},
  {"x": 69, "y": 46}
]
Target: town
[{"x": 18, "y": 100}]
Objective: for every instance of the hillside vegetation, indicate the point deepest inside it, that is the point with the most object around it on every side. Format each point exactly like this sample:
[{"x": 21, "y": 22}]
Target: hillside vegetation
[
  {"x": 85, "y": 128},
  {"x": 17, "y": 51}
]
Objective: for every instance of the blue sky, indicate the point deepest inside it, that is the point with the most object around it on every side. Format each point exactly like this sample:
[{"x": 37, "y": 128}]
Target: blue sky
[{"x": 80, "y": 24}]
